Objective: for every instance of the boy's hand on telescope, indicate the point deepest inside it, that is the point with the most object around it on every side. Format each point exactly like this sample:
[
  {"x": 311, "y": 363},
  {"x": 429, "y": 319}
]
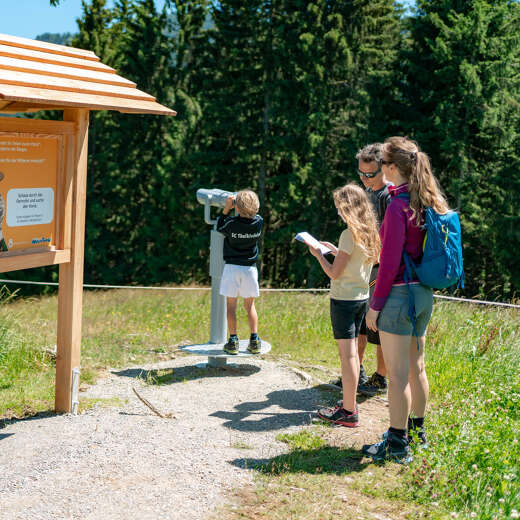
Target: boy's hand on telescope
[
  {"x": 371, "y": 319},
  {"x": 332, "y": 247},
  {"x": 230, "y": 202}
]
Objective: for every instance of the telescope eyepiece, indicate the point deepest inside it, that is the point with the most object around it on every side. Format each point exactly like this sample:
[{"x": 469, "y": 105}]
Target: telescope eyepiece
[{"x": 214, "y": 197}]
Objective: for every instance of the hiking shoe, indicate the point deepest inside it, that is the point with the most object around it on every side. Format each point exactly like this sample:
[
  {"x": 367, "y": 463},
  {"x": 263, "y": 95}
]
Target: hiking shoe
[
  {"x": 231, "y": 347},
  {"x": 376, "y": 384},
  {"x": 392, "y": 447},
  {"x": 413, "y": 435},
  {"x": 339, "y": 416},
  {"x": 254, "y": 345}
]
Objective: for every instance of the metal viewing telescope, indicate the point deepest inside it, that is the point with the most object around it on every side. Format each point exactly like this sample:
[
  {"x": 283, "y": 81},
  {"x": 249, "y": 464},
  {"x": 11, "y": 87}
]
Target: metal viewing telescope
[
  {"x": 218, "y": 328},
  {"x": 215, "y": 197}
]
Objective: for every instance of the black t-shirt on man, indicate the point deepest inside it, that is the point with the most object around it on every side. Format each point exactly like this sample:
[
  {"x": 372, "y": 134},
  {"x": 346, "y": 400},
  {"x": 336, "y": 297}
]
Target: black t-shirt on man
[
  {"x": 380, "y": 200},
  {"x": 242, "y": 235}
]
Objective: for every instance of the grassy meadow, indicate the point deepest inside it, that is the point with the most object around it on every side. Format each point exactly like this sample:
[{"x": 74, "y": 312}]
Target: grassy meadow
[{"x": 470, "y": 470}]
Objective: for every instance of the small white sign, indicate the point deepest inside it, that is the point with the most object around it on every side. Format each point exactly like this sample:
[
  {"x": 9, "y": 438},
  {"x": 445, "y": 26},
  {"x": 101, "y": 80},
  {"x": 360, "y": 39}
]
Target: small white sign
[{"x": 29, "y": 206}]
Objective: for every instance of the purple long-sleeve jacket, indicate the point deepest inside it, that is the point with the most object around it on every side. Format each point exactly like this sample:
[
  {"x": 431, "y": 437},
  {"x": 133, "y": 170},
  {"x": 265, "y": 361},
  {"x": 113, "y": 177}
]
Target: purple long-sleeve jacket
[{"x": 398, "y": 231}]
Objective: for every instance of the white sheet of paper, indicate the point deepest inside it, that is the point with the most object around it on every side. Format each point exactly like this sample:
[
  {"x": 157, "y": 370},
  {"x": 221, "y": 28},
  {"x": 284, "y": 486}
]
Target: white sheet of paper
[{"x": 307, "y": 238}]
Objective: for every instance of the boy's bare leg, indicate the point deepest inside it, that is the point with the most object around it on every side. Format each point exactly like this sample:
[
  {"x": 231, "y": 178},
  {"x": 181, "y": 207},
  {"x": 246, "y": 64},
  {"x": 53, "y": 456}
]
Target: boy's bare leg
[
  {"x": 348, "y": 356},
  {"x": 231, "y": 310},
  {"x": 381, "y": 368},
  {"x": 252, "y": 316}
]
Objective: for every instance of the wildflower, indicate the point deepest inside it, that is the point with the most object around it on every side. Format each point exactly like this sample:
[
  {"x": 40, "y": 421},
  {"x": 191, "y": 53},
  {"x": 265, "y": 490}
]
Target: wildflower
[
  {"x": 515, "y": 513},
  {"x": 473, "y": 514},
  {"x": 454, "y": 515},
  {"x": 501, "y": 500}
]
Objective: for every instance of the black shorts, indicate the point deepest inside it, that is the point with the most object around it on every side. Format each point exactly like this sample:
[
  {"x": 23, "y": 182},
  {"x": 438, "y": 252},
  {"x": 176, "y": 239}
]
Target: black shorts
[
  {"x": 346, "y": 317},
  {"x": 372, "y": 337}
]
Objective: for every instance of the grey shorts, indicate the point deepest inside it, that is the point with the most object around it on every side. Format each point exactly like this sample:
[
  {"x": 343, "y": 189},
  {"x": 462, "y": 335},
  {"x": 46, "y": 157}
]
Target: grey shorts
[{"x": 394, "y": 316}]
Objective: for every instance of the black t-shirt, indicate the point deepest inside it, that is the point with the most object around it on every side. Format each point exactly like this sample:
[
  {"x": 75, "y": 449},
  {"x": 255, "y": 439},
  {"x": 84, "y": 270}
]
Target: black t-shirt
[
  {"x": 242, "y": 235},
  {"x": 380, "y": 200}
]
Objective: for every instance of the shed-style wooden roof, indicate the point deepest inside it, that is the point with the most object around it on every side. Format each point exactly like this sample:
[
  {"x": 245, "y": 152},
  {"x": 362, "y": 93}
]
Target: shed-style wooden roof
[{"x": 37, "y": 75}]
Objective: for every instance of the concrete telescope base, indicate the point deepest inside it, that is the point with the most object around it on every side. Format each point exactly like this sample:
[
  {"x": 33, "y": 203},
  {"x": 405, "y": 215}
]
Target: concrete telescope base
[{"x": 217, "y": 358}]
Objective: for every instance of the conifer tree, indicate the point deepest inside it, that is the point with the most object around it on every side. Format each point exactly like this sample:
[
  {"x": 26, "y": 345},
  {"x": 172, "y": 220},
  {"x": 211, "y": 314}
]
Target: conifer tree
[
  {"x": 135, "y": 188},
  {"x": 464, "y": 93}
]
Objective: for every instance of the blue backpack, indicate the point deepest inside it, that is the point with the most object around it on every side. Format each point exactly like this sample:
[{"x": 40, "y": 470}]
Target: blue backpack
[{"x": 441, "y": 265}]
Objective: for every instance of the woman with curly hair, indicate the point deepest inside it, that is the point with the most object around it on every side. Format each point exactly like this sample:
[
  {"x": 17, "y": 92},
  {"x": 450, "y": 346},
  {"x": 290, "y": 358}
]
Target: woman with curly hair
[{"x": 357, "y": 251}]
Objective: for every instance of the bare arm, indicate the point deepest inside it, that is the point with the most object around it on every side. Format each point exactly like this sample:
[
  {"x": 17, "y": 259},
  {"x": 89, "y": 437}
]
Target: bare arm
[{"x": 334, "y": 270}]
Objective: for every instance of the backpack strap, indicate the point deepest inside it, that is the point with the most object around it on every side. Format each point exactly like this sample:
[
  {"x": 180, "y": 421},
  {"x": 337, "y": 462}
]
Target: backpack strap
[{"x": 409, "y": 265}]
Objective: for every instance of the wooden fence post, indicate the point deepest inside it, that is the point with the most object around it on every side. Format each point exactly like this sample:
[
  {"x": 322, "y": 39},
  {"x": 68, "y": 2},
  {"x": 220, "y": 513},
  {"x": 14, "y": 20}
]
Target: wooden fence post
[{"x": 70, "y": 295}]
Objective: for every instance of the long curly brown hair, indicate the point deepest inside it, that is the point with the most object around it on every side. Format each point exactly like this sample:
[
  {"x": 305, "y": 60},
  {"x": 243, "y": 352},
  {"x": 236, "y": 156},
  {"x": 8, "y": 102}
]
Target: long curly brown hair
[
  {"x": 359, "y": 215},
  {"x": 416, "y": 168}
]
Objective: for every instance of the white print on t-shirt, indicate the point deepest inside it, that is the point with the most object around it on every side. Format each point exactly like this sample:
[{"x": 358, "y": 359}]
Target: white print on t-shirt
[{"x": 245, "y": 235}]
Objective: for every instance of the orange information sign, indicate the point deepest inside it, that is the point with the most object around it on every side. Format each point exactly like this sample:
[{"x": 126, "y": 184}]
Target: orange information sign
[{"x": 28, "y": 181}]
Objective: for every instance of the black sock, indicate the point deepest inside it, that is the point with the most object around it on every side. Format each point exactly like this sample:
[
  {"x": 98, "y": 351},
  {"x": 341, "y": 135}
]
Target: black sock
[
  {"x": 348, "y": 411},
  {"x": 233, "y": 336},
  {"x": 254, "y": 335},
  {"x": 397, "y": 432},
  {"x": 415, "y": 423}
]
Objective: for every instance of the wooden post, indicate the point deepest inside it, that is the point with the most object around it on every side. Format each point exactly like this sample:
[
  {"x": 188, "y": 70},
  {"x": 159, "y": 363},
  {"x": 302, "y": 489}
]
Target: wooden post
[{"x": 70, "y": 295}]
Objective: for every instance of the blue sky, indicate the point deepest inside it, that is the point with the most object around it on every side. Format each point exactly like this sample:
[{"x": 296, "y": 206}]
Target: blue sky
[{"x": 29, "y": 18}]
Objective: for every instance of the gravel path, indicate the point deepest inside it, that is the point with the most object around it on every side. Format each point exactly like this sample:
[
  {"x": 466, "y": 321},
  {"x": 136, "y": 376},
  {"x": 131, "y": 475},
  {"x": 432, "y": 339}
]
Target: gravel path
[{"x": 125, "y": 462}]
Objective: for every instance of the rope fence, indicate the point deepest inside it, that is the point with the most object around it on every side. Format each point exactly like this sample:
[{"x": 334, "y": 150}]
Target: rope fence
[{"x": 140, "y": 287}]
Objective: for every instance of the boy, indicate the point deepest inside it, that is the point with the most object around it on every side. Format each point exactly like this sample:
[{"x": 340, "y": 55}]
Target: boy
[{"x": 240, "y": 276}]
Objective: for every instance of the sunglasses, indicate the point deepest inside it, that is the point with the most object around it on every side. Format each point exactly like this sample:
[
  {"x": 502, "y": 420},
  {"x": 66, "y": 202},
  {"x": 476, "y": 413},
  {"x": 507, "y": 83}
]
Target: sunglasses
[
  {"x": 369, "y": 175},
  {"x": 386, "y": 163}
]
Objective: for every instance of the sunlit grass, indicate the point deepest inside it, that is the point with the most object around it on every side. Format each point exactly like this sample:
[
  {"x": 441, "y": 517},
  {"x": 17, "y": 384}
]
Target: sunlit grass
[{"x": 473, "y": 362}]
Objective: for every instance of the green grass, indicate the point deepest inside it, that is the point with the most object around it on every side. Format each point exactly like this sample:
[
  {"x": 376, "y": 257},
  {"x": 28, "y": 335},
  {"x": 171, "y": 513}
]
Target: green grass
[{"x": 473, "y": 363}]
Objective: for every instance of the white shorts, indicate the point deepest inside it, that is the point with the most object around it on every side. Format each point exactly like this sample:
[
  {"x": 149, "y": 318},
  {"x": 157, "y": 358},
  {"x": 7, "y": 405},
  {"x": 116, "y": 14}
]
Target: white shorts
[{"x": 240, "y": 280}]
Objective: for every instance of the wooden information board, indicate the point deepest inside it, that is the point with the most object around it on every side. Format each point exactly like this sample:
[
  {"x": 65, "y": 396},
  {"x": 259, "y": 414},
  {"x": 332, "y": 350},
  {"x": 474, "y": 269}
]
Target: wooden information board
[
  {"x": 28, "y": 179},
  {"x": 33, "y": 157}
]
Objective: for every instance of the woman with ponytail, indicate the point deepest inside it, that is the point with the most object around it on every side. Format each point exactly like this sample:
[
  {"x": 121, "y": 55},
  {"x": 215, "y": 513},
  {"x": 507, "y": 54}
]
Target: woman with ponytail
[{"x": 415, "y": 187}]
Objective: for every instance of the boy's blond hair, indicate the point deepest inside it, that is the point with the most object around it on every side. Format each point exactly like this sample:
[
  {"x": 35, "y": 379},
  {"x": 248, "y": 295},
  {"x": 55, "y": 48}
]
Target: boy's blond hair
[
  {"x": 353, "y": 204},
  {"x": 247, "y": 203}
]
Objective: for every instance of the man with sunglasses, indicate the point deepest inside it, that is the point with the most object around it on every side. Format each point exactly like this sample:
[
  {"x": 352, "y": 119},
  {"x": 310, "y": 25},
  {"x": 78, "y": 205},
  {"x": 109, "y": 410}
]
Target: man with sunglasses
[{"x": 369, "y": 169}]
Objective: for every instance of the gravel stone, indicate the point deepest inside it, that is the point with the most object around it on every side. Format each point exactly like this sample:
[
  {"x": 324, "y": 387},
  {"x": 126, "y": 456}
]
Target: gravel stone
[{"x": 123, "y": 461}]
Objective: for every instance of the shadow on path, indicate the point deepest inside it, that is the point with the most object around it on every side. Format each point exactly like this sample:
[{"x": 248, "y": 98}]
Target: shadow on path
[
  {"x": 327, "y": 459},
  {"x": 166, "y": 376},
  {"x": 245, "y": 416},
  {"x": 29, "y": 416}
]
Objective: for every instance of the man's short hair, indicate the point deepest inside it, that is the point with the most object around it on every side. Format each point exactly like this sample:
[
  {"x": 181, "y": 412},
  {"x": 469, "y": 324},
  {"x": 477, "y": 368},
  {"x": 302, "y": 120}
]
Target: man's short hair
[
  {"x": 247, "y": 203},
  {"x": 371, "y": 153}
]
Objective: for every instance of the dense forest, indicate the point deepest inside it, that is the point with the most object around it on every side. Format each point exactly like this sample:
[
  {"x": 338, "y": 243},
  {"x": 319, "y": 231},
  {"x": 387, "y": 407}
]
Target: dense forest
[{"x": 278, "y": 96}]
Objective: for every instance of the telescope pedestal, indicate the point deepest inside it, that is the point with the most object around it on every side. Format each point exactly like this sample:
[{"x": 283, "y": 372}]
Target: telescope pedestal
[{"x": 217, "y": 358}]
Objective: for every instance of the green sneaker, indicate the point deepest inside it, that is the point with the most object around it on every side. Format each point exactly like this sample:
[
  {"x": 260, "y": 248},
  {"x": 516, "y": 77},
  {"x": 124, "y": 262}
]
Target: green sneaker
[
  {"x": 254, "y": 345},
  {"x": 231, "y": 347}
]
